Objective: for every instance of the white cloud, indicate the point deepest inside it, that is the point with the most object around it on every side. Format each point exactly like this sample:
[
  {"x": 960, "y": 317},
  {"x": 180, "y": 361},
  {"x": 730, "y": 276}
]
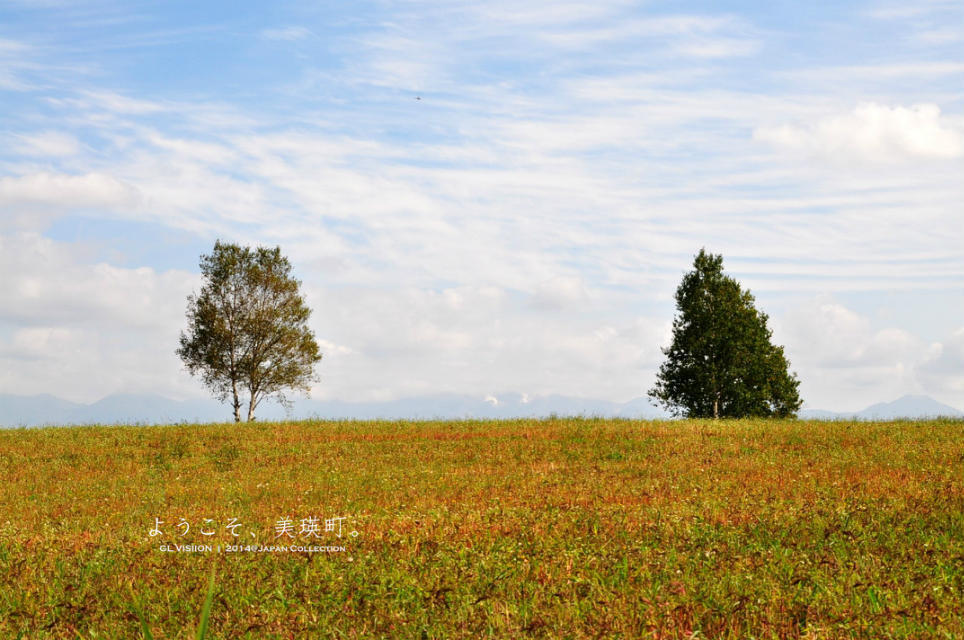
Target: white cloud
[
  {"x": 193, "y": 151},
  {"x": 836, "y": 351},
  {"x": 14, "y": 59},
  {"x": 466, "y": 339},
  {"x": 288, "y": 34},
  {"x": 904, "y": 10},
  {"x": 119, "y": 103},
  {"x": 832, "y": 336},
  {"x": 561, "y": 293},
  {"x": 39, "y": 342},
  {"x": 65, "y": 191},
  {"x": 718, "y": 47},
  {"x": 48, "y": 143},
  {"x": 686, "y": 35},
  {"x": 872, "y": 132},
  {"x": 851, "y": 76},
  {"x": 530, "y": 221},
  {"x": 50, "y": 282},
  {"x": 940, "y": 36},
  {"x": 536, "y": 14},
  {"x": 82, "y": 330},
  {"x": 11, "y": 46},
  {"x": 85, "y": 364},
  {"x": 943, "y": 370},
  {"x": 32, "y": 200}
]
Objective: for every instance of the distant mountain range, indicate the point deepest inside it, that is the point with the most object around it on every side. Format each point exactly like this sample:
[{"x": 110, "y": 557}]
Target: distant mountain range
[
  {"x": 154, "y": 409},
  {"x": 904, "y": 407}
]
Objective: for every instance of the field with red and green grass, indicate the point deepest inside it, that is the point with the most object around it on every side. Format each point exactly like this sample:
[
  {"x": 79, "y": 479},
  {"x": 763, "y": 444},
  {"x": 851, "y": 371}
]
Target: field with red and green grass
[{"x": 556, "y": 528}]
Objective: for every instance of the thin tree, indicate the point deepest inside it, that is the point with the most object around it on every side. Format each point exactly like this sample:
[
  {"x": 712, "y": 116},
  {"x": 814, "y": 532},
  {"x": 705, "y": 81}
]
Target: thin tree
[
  {"x": 247, "y": 328},
  {"x": 722, "y": 362}
]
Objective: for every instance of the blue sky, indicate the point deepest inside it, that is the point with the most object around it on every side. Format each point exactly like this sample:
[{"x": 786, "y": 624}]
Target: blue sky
[{"x": 485, "y": 197}]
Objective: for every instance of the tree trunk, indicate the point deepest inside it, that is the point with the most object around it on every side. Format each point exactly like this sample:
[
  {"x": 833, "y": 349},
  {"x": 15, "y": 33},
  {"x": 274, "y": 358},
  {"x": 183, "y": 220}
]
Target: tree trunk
[
  {"x": 716, "y": 407},
  {"x": 251, "y": 405},
  {"x": 237, "y": 402}
]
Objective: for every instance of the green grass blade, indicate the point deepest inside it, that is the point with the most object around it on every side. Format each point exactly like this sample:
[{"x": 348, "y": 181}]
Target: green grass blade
[
  {"x": 145, "y": 631},
  {"x": 202, "y": 628},
  {"x": 136, "y": 606}
]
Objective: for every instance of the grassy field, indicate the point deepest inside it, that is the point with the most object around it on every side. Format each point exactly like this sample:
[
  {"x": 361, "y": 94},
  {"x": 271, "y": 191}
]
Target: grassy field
[{"x": 558, "y": 528}]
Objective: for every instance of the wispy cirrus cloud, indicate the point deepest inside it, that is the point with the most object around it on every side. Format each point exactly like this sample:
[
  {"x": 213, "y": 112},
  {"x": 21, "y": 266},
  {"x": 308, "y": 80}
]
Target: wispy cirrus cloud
[
  {"x": 14, "y": 61},
  {"x": 47, "y": 144},
  {"x": 287, "y": 34},
  {"x": 902, "y": 11}
]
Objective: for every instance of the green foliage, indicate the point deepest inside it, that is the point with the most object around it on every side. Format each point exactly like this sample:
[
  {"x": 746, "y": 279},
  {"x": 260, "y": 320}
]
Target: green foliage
[
  {"x": 721, "y": 362},
  {"x": 247, "y": 329}
]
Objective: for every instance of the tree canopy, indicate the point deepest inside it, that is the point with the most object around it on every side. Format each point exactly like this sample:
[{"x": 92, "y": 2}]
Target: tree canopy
[
  {"x": 247, "y": 328},
  {"x": 721, "y": 362}
]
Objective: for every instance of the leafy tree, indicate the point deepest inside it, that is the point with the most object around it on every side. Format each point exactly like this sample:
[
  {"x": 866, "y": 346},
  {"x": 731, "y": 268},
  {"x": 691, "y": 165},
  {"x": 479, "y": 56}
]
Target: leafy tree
[
  {"x": 721, "y": 362},
  {"x": 247, "y": 328}
]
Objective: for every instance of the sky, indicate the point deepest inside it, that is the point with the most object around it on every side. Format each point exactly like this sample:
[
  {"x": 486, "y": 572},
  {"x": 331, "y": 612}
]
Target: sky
[{"x": 484, "y": 198}]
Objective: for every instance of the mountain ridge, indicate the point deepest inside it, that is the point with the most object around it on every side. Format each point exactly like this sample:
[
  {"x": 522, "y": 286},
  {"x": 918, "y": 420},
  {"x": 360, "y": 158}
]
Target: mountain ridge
[
  {"x": 907, "y": 406},
  {"x": 130, "y": 408}
]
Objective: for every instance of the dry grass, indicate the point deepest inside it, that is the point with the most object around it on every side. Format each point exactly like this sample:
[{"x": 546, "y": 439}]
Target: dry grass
[{"x": 547, "y": 528}]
